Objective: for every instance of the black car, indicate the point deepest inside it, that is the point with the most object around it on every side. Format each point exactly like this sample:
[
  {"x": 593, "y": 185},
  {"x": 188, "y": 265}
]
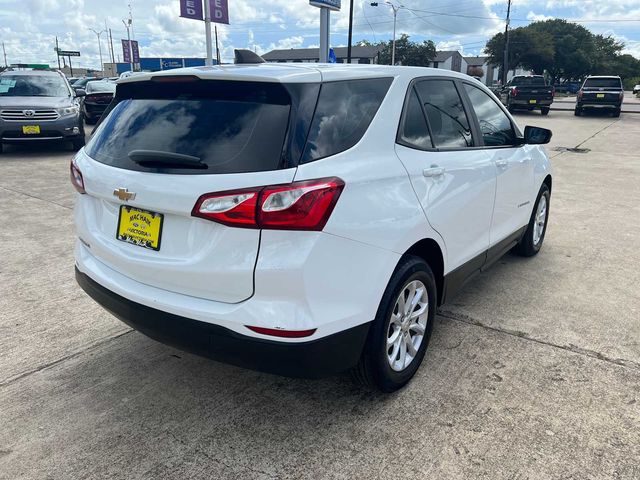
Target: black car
[
  {"x": 527, "y": 92},
  {"x": 98, "y": 97},
  {"x": 603, "y": 93}
]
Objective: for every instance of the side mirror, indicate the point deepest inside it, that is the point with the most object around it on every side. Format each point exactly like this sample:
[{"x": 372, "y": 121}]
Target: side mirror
[
  {"x": 80, "y": 92},
  {"x": 537, "y": 135}
]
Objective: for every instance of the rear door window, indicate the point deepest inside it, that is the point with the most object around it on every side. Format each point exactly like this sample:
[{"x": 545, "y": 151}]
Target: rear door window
[
  {"x": 344, "y": 112},
  {"x": 414, "y": 132},
  {"x": 448, "y": 121},
  {"x": 219, "y": 127}
]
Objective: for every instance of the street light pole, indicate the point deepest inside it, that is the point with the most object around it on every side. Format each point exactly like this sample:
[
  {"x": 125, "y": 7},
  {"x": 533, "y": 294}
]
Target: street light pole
[
  {"x": 99, "y": 46},
  {"x": 505, "y": 61},
  {"x": 395, "y": 9},
  {"x": 127, "y": 25},
  {"x": 207, "y": 28}
]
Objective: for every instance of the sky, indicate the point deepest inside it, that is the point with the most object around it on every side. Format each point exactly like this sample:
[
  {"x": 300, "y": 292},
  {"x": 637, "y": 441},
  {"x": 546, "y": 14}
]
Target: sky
[{"x": 28, "y": 27}]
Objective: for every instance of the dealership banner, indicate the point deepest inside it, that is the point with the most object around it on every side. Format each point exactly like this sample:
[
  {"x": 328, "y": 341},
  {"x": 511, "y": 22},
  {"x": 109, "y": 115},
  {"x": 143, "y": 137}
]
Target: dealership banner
[
  {"x": 219, "y": 11},
  {"x": 191, "y": 9},
  {"x": 135, "y": 51},
  {"x": 126, "y": 53}
]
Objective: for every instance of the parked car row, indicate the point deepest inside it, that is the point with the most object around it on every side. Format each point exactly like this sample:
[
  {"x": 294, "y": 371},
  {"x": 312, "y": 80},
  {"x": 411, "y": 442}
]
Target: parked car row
[{"x": 531, "y": 92}]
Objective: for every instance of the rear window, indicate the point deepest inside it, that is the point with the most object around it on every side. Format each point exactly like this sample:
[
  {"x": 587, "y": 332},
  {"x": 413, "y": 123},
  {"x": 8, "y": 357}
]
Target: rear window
[
  {"x": 217, "y": 126},
  {"x": 101, "y": 86},
  {"x": 344, "y": 112},
  {"x": 528, "y": 81},
  {"x": 603, "y": 83}
]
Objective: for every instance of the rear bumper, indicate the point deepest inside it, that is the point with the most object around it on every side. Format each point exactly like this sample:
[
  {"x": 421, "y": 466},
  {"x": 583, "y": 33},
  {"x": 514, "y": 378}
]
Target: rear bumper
[
  {"x": 526, "y": 103},
  {"x": 325, "y": 356},
  {"x": 605, "y": 105}
]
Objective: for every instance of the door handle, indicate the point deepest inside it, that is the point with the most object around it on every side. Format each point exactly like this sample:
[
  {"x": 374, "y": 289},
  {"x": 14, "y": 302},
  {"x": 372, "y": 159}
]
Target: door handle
[
  {"x": 502, "y": 163},
  {"x": 434, "y": 171}
]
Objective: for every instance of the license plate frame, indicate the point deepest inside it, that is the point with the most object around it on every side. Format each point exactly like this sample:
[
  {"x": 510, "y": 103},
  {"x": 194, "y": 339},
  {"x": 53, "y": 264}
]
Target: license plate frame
[
  {"x": 140, "y": 223},
  {"x": 31, "y": 129}
]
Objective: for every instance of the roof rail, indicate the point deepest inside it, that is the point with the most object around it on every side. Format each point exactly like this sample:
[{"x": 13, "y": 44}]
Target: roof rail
[{"x": 246, "y": 56}]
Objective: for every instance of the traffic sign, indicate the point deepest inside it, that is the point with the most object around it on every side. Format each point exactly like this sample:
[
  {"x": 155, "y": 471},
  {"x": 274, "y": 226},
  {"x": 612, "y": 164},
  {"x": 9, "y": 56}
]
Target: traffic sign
[{"x": 68, "y": 53}]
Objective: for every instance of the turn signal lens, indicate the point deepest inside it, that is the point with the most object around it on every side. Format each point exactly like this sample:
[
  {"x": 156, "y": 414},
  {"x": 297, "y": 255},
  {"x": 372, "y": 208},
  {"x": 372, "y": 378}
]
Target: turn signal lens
[
  {"x": 305, "y": 205},
  {"x": 76, "y": 178}
]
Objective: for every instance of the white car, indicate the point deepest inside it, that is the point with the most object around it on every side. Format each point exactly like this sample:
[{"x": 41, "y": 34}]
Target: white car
[
  {"x": 636, "y": 89},
  {"x": 302, "y": 219}
]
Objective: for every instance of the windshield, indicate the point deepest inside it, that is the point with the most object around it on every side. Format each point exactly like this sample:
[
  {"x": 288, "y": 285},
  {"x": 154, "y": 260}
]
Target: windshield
[
  {"x": 525, "y": 81},
  {"x": 101, "y": 86},
  {"x": 33, "y": 86},
  {"x": 603, "y": 83}
]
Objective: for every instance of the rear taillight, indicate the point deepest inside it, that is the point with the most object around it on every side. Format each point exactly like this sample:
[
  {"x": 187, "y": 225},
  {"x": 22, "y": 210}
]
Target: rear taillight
[
  {"x": 553, "y": 91},
  {"x": 514, "y": 92},
  {"x": 580, "y": 94},
  {"x": 305, "y": 205},
  {"x": 76, "y": 178}
]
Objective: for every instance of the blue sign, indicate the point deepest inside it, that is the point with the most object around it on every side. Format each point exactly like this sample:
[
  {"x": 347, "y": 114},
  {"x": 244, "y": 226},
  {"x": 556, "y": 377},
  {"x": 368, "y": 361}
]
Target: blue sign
[
  {"x": 170, "y": 63},
  {"x": 332, "y": 56},
  {"x": 330, "y": 4}
]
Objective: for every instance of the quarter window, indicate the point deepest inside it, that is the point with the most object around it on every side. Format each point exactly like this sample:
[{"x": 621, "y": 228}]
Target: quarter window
[
  {"x": 445, "y": 113},
  {"x": 495, "y": 126},
  {"x": 414, "y": 131}
]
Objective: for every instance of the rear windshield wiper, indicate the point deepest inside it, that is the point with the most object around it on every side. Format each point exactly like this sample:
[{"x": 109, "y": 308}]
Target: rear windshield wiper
[{"x": 159, "y": 159}]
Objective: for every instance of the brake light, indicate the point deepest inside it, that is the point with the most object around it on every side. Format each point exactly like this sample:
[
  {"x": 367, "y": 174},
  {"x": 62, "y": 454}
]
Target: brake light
[
  {"x": 514, "y": 92},
  {"x": 553, "y": 91},
  {"x": 76, "y": 178},
  {"x": 305, "y": 205},
  {"x": 276, "y": 332},
  {"x": 580, "y": 94}
]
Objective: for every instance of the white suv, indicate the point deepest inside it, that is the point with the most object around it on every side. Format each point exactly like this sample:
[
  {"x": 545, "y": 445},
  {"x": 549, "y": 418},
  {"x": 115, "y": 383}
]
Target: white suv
[{"x": 302, "y": 219}]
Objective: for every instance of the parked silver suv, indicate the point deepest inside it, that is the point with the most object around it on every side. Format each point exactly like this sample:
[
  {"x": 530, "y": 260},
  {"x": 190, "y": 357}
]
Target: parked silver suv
[{"x": 38, "y": 105}]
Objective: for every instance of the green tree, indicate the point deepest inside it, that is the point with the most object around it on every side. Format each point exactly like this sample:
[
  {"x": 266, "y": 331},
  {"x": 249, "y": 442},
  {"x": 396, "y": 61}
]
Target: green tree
[
  {"x": 527, "y": 48},
  {"x": 407, "y": 52}
]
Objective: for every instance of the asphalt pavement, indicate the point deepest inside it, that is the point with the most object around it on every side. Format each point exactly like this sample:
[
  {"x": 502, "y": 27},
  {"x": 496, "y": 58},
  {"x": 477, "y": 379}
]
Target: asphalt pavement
[{"x": 533, "y": 371}]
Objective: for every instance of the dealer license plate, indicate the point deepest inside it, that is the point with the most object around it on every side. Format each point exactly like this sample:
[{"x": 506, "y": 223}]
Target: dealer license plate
[
  {"x": 31, "y": 129},
  {"x": 140, "y": 227}
]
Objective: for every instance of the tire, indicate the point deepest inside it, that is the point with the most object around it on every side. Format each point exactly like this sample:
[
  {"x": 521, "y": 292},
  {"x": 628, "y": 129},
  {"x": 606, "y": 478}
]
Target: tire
[
  {"x": 78, "y": 143},
  {"x": 616, "y": 113},
  {"x": 510, "y": 107},
  {"x": 544, "y": 111},
  {"x": 1, "y": 148},
  {"x": 578, "y": 112},
  {"x": 375, "y": 368},
  {"x": 531, "y": 242}
]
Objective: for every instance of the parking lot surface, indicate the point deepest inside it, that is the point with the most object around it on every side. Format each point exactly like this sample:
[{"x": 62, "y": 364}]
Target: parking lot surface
[{"x": 533, "y": 372}]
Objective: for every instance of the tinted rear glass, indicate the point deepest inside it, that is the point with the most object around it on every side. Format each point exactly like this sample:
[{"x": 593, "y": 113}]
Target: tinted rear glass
[
  {"x": 231, "y": 127},
  {"x": 602, "y": 83},
  {"x": 101, "y": 86},
  {"x": 344, "y": 111},
  {"x": 526, "y": 81}
]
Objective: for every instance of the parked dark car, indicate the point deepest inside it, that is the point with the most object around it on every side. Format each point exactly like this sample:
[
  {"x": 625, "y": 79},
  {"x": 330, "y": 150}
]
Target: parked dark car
[
  {"x": 527, "y": 92},
  {"x": 603, "y": 93},
  {"x": 98, "y": 97},
  {"x": 81, "y": 83},
  {"x": 567, "y": 87},
  {"x": 39, "y": 105}
]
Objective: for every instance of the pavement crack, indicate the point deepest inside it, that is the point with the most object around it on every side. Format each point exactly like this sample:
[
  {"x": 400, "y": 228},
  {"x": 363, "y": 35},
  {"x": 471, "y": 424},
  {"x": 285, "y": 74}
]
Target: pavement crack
[
  {"x": 525, "y": 336},
  {"x": 36, "y": 197},
  {"x": 596, "y": 134},
  {"x": 93, "y": 346},
  {"x": 218, "y": 461}
]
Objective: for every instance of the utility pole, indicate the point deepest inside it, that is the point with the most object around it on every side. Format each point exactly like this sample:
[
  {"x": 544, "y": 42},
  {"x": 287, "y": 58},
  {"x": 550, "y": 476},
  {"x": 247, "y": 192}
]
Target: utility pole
[
  {"x": 207, "y": 28},
  {"x": 113, "y": 56},
  {"x": 217, "y": 46},
  {"x": 57, "y": 52},
  {"x": 5, "y": 56},
  {"x": 109, "y": 42},
  {"x": 505, "y": 61},
  {"x": 99, "y": 46},
  {"x": 350, "y": 31}
]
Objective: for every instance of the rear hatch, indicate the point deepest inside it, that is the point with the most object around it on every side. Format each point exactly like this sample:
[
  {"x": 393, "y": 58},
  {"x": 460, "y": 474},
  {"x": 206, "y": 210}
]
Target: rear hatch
[
  {"x": 160, "y": 147},
  {"x": 533, "y": 88},
  {"x": 602, "y": 90}
]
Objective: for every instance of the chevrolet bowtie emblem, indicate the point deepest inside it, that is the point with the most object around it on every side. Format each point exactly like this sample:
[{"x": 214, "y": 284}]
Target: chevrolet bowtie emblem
[{"x": 124, "y": 194}]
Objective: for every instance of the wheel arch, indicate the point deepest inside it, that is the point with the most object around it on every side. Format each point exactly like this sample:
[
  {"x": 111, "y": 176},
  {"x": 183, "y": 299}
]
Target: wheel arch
[
  {"x": 548, "y": 181},
  {"x": 429, "y": 250}
]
